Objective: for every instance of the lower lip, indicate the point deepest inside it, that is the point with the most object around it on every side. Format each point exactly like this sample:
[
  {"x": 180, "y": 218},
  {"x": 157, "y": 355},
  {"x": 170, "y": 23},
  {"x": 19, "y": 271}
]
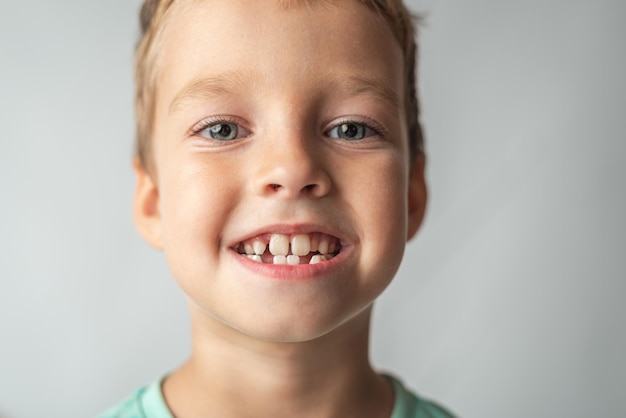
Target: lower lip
[{"x": 299, "y": 272}]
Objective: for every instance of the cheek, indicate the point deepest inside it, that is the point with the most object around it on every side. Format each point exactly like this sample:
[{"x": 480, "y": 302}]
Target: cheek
[
  {"x": 379, "y": 205},
  {"x": 194, "y": 203},
  {"x": 391, "y": 206},
  {"x": 382, "y": 208}
]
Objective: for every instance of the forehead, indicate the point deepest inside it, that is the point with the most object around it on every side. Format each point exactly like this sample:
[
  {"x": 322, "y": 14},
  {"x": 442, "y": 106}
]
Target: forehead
[{"x": 278, "y": 43}]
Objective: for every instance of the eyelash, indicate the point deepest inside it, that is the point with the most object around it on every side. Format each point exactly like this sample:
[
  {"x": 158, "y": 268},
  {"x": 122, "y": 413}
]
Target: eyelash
[
  {"x": 375, "y": 127},
  {"x": 212, "y": 121}
]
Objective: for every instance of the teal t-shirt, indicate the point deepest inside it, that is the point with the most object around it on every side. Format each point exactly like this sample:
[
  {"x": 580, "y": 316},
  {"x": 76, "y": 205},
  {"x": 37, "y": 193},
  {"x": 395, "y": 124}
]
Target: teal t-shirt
[{"x": 148, "y": 402}]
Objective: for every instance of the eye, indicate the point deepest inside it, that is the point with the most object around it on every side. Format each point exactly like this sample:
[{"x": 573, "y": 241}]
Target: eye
[
  {"x": 351, "y": 131},
  {"x": 219, "y": 130}
]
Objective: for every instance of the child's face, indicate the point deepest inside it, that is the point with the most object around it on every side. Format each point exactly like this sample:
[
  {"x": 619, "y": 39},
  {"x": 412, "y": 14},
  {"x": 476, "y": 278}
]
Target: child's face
[{"x": 273, "y": 120}]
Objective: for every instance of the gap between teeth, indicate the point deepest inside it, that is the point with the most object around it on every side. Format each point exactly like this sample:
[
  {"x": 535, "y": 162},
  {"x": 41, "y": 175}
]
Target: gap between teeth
[
  {"x": 284, "y": 250},
  {"x": 291, "y": 260}
]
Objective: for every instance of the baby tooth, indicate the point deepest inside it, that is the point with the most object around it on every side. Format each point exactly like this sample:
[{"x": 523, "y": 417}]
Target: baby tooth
[
  {"x": 293, "y": 260},
  {"x": 316, "y": 259},
  {"x": 280, "y": 259},
  {"x": 248, "y": 249},
  {"x": 332, "y": 246},
  {"x": 300, "y": 244},
  {"x": 315, "y": 241},
  {"x": 323, "y": 246},
  {"x": 279, "y": 244},
  {"x": 259, "y": 247},
  {"x": 256, "y": 258}
]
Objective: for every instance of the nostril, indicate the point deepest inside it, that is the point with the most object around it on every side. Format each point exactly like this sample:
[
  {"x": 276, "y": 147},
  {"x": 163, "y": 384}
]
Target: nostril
[
  {"x": 275, "y": 186},
  {"x": 309, "y": 187}
]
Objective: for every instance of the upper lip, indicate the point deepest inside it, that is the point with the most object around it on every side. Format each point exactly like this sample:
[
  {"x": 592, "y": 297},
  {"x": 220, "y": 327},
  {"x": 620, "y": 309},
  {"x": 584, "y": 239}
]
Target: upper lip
[{"x": 291, "y": 229}]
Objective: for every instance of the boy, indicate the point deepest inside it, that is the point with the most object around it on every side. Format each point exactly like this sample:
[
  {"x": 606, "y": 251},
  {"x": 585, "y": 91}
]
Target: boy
[{"x": 280, "y": 170}]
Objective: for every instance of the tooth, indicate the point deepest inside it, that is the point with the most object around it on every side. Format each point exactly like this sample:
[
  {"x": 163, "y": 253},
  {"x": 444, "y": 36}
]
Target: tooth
[
  {"x": 259, "y": 247},
  {"x": 293, "y": 260},
  {"x": 332, "y": 246},
  {"x": 256, "y": 258},
  {"x": 316, "y": 259},
  {"x": 279, "y": 244},
  {"x": 300, "y": 244},
  {"x": 323, "y": 245},
  {"x": 315, "y": 241},
  {"x": 280, "y": 259},
  {"x": 248, "y": 249}
]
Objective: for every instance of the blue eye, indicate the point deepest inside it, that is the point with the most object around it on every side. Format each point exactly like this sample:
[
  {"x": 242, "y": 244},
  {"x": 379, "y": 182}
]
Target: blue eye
[
  {"x": 220, "y": 131},
  {"x": 351, "y": 131}
]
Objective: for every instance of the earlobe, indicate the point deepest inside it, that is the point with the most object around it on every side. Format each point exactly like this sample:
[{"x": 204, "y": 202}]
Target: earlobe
[
  {"x": 146, "y": 211},
  {"x": 417, "y": 195}
]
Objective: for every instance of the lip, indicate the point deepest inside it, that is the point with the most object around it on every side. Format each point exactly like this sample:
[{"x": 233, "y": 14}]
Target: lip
[
  {"x": 288, "y": 272},
  {"x": 291, "y": 230},
  {"x": 299, "y": 272}
]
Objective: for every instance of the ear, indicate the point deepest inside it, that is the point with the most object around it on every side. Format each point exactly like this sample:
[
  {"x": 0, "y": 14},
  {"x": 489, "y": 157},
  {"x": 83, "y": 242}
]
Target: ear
[
  {"x": 417, "y": 195},
  {"x": 146, "y": 207}
]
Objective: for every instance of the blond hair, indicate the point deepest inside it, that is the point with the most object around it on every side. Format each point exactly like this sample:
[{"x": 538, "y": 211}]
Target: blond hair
[{"x": 152, "y": 19}]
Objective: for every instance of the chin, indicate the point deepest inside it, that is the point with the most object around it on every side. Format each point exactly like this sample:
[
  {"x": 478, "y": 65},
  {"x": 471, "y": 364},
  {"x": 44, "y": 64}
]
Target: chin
[
  {"x": 299, "y": 327},
  {"x": 291, "y": 330}
]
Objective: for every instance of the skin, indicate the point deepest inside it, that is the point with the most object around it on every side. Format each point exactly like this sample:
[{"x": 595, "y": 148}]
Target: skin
[{"x": 279, "y": 340}]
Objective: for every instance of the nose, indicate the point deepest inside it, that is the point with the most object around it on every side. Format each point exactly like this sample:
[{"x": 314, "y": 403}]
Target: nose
[{"x": 291, "y": 167}]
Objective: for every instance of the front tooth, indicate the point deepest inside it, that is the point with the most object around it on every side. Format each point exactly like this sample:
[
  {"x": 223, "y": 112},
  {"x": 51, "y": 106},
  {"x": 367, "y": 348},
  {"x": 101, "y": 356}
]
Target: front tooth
[
  {"x": 315, "y": 241},
  {"x": 259, "y": 247},
  {"x": 256, "y": 258},
  {"x": 279, "y": 244},
  {"x": 248, "y": 249},
  {"x": 280, "y": 259},
  {"x": 316, "y": 259},
  {"x": 322, "y": 248},
  {"x": 293, "y": 260},
  {"x": 300, "y": 244}
]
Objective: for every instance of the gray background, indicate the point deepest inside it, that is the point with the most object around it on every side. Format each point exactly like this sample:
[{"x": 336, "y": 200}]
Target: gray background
[{"x": 508, "y": 304}]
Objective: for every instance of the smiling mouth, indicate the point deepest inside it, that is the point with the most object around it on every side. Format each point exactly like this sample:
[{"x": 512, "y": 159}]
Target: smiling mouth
[{"x": 291, "y": 250}]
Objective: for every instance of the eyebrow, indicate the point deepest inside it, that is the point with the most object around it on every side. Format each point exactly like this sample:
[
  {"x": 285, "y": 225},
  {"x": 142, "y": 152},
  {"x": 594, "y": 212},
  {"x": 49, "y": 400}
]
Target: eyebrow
[
  {"x": 227, "y": 83},
  {"x": 208, "y": 87},
  {"x": 357, "y": 85}
]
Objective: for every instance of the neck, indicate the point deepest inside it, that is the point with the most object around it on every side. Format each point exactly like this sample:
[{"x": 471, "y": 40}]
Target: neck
[{"x": 233, "y": 375}]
